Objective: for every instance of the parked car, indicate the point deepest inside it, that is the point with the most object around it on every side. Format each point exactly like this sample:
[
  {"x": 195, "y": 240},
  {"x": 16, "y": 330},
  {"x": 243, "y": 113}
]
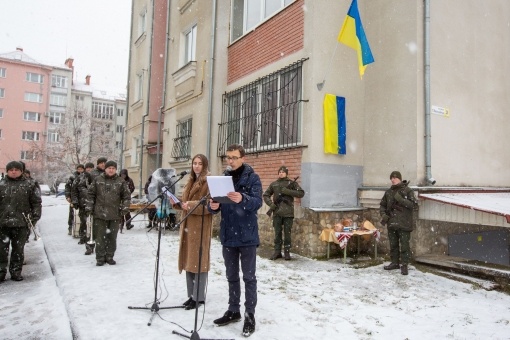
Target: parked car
[
  {"x": 45, "y": 190},
  {"x": 61, "y": 189}
]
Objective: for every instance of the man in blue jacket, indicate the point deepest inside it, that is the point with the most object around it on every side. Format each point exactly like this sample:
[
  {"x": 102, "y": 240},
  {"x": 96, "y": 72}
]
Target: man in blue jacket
[{"x": 239, "y": 235}]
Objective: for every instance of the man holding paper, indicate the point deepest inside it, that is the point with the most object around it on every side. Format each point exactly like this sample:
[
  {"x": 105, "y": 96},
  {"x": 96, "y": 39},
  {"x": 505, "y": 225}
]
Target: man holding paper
[{"x": 239, "y": 235}]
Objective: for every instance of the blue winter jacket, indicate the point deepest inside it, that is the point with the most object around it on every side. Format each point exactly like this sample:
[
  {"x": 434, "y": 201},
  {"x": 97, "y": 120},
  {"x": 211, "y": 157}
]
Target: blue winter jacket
[{"x": 239, "y": 226}]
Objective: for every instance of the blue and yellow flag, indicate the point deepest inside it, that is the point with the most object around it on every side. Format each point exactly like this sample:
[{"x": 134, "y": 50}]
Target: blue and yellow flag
[
  {"x": 334, "y": 125},
  {"x": 353, "y": 35}
]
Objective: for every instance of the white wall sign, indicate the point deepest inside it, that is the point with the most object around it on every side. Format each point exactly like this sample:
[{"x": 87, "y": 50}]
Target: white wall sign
[{"x": 440, "y": 111}]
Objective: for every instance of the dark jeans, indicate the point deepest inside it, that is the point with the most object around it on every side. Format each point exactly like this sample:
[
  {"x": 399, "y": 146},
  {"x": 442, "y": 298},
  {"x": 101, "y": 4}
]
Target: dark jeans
[
  {"x": 248, "y": 257},
  {"x": 17, "y": 237},
  {"x": 282, "y": 224},
  {"x": 399, "y": 246},
  {"x": 105, "y": 235}
]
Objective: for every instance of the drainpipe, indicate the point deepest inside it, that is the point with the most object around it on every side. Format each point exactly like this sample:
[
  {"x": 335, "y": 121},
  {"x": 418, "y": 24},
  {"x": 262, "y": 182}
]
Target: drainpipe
[
  {"x": 160, "y": 111},
  {"x": 211, "y": 81},
  {"x": 428, "y": 166},
  {"x": 149, "y": 72},
  {"x": 127, "y": 94}
]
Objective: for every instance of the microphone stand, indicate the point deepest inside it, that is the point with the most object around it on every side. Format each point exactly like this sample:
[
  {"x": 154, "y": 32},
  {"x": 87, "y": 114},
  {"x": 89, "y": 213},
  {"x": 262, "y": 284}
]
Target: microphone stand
[
  {"x": 155, "y": 304},
  {"x": 202, "y": 202}
]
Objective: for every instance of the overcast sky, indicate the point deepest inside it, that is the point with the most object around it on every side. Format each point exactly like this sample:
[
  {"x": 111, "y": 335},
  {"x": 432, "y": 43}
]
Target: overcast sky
[{"x": 95, "y": 33}]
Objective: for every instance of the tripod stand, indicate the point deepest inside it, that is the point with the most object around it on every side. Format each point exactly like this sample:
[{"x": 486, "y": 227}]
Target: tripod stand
[
  {"x": 155, "y": 304},
  {"x": 202, "y": 202}
]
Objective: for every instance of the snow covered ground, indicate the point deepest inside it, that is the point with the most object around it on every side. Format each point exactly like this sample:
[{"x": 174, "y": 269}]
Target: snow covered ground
[{"x": 299, "y": 299}]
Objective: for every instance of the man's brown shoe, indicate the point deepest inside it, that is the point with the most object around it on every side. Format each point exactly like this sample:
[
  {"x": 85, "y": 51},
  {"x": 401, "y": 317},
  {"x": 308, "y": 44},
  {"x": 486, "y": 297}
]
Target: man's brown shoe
[
  {"x": 403, "y": 269},
  {"x": 392, "y": 266},
  {"x": 276, "y": 255}
]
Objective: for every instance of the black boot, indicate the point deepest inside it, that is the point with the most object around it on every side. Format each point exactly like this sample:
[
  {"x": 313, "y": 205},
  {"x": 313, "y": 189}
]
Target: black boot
[
  {"x": 392, "y": 266},
  {"x": 193, "y": 304},
  {"x": 111, "y": 261},
  {"x": 403, "y": 269},
  {"x": 16, "y": 277},
  {"x": 227, "y": 318},
  {"x": 249, "y": 324},
  {"x": 276, "y": 255},
  {"x": 187, "y": 302},
  {"x": 287, "y": 255}
]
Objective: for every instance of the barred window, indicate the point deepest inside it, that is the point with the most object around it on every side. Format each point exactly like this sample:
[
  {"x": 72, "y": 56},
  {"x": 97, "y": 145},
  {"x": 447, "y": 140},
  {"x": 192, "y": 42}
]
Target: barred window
[
  {"x": 182, "y": 143},
  {"x": 102, "y": 110},
  {"x": 265, "y": 114}
]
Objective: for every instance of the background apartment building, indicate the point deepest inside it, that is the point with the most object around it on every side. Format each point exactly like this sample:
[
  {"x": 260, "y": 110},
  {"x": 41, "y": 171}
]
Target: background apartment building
[
  {"x": 247, "y": 72},
  {"x": 52, "y": 124}
]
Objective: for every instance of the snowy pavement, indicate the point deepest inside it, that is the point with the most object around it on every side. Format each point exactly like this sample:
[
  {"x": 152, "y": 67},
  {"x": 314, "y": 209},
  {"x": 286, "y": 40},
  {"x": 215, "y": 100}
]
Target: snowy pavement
[{"x": 299, "y": 299}]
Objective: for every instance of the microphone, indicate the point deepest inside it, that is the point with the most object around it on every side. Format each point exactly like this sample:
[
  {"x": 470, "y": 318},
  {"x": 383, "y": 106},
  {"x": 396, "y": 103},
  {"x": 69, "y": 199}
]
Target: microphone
[
  {"x": 184, "y": 173},
  {"x": 227, "y": 171}
]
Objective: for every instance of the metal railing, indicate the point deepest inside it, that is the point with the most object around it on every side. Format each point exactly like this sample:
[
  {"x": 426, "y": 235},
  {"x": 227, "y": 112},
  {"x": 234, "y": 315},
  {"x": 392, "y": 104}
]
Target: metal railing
[{"x": 181, "y": 149}]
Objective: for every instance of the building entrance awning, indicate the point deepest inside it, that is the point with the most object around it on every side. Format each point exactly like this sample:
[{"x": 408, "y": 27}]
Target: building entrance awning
[{"x": 494, "y": 203}]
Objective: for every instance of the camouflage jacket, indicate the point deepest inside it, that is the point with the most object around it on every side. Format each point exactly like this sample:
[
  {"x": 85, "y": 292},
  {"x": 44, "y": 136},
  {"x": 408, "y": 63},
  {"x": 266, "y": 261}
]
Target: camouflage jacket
[
  {"x": 286, "y": 206},
  {"x": 80, "y": 190},
  {"x": 399, "y": 215},
  {"x": 108, "y": 197},
  {"x": 17, "y": 197}
]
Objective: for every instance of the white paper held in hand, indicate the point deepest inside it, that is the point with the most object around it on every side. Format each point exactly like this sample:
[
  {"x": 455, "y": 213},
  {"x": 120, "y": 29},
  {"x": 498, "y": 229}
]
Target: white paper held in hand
[
  {"x": 219, "y": 187},
  {"x": 171, "y": 196}
]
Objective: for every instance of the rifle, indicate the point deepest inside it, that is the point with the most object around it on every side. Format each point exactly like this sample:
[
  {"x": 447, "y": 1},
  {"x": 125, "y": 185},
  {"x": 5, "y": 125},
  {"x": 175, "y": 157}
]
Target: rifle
[
  {"x": 394, "y": 205},
  {"x": 281, "y": 198}
]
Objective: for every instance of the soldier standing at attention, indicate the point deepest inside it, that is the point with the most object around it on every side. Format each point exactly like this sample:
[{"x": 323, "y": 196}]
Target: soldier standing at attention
[
  {"x": 396, "y": 209},
  {"x": 78, "y": 198},
  {"x": 108, "y": 199},
  {"x": 68, "y": 192},
  {"x": 283, "y": 191},
  {"x": 18, "y": 196}
]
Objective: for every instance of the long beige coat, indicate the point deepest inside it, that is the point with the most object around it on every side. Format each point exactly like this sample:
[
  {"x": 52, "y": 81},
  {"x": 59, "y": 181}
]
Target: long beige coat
[{"x": 191, "y": 228}]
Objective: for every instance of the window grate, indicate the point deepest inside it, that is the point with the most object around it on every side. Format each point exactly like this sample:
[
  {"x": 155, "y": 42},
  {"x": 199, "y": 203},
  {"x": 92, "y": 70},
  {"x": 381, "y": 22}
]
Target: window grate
[
  {"x": 265, "y": 114},
  {"x": 181, "y": 149}
]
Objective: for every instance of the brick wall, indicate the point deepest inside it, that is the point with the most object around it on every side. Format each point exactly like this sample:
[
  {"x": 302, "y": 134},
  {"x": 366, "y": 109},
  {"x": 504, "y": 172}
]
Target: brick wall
[{"x": 276, "y": 38}]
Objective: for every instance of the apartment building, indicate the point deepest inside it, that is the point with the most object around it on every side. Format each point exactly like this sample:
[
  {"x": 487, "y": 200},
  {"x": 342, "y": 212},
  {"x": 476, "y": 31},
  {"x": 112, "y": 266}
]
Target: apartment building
[
  {"x": 247, "y": 72},
  {"x": 52, "y": 122}
]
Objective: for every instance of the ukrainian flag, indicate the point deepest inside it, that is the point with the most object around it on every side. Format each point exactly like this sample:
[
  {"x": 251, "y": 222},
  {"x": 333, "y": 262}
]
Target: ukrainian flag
[
  {"x": 334, "y": 125},
  {"x": 353, "y": 35}
]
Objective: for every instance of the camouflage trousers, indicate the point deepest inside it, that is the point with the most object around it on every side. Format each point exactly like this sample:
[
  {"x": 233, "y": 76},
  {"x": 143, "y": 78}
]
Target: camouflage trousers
[{"x": 399, "y": 246}]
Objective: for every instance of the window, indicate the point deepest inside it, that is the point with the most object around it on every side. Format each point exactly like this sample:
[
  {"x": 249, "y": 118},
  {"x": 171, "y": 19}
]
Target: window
[
  {"x": 32, "y": 116},
  {"x": 53, "y": 137},
  {"x": 139, "y": 87},
  {"x": 33, "y": 97},
  {"x": 2, "y": 93},
  {"x": 181, "y": 149},
  {"x": 0, "y": 133},
  {"x": 102, "y": 110},
  {"x": 78, "y": 98},
  {"x": 3, "y": 71},
  {"x": 117, "y": 144},
  {"x": 56, "y": 118},
  {"x": 265, "y": 114},
  {"x": 120, "y": 112},
  {"x": 190, "y": 45},
  {"x": 142, "y": 21},
  {"x": 34, "y": 77},
  {"x": 59, "y": 81},
  {"x": 120, "y": 128},
  {"x": 27, "y": 155},
  {"x": 58, "y": 99},
  {"x": 29, "y": 135},
  {"x": 1, "y": 113},
  {"x": 136, "y": 145},
  {"x": 246, "y": 14}
]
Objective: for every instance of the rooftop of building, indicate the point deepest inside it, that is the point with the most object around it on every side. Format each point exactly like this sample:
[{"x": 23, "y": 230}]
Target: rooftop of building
[
  {"x": 20, "y": 56},
  {"x": 100, "y": 91}
]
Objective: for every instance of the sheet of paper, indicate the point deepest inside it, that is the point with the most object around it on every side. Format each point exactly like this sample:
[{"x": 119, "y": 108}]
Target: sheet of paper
[
  {"x": 219, "y": 187},
  {"x": 172, "y": 196}
]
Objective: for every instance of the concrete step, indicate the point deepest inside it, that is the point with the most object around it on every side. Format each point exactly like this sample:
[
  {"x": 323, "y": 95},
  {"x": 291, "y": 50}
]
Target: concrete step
[{"x": 466, "y": 266}]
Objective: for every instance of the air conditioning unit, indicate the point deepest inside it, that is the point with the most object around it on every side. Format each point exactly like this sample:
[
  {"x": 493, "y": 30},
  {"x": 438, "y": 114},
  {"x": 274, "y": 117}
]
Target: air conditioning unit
[
  {"x": 45, "y": 133},
  {"x": 46, "y": 114}
]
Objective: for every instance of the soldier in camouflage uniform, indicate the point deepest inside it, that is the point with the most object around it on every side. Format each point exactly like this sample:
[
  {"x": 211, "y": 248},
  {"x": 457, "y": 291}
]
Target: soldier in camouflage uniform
[
  {"x": 18, "y": 196},
  {"x": 78, "y": 199},
  {"x": 108, "y": 199},
  {"x": 68, "y": 190},
  {"x": 283, "y": 213},
  {"x": 396, "y": 209}
]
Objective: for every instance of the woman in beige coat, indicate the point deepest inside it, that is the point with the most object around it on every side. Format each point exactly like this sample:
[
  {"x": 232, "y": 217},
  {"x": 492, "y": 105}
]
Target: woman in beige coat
[{"x": 190, "y": 232}]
